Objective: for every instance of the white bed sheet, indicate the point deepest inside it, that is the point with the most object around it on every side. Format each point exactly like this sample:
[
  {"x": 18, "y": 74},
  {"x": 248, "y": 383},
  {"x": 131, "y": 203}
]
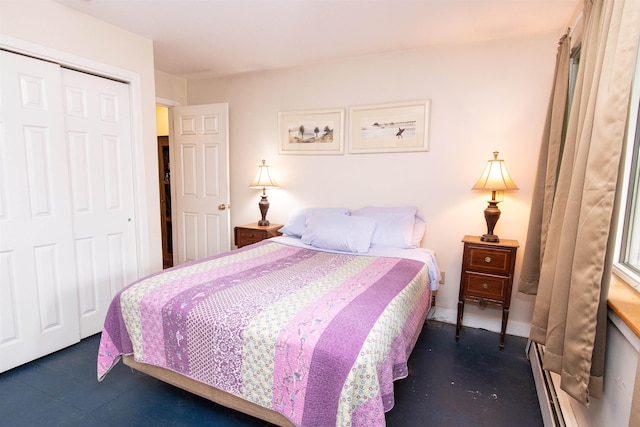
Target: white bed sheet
[{"x": 418, "y": 254}]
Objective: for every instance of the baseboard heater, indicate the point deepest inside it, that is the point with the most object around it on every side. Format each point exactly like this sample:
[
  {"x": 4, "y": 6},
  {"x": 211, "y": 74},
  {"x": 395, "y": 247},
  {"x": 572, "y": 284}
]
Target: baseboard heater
[{"x": 554, "y": 404}]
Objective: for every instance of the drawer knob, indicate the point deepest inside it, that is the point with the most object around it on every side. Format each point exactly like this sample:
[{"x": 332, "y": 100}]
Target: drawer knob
[
  {"x": 487, "y": 259},
  {"x": 485, "y": 286}
]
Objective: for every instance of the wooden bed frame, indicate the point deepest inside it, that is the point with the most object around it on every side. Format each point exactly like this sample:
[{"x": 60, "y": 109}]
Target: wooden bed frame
[{"x": 211, "y": 393}]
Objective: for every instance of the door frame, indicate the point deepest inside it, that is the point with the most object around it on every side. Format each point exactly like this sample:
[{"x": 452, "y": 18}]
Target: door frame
[{"x": 134, "y": 83}]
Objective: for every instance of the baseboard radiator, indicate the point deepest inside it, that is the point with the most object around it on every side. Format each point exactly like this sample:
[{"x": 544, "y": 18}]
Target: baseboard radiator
[{"x": 554, "y": 404}]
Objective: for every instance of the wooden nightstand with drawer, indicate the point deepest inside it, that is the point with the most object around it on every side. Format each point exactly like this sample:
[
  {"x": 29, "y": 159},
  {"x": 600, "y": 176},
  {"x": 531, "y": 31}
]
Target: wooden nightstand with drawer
[
  {"x": 487, "y": 277},
  {"x": 253, "y": 233}
]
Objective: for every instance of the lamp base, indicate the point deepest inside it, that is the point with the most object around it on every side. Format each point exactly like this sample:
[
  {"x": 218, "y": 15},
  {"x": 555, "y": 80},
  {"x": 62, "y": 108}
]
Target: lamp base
[
  {"x": 264, "y": 207},
  {"x": 489, "y": 238},
  {"x": 491, "y": 215}
]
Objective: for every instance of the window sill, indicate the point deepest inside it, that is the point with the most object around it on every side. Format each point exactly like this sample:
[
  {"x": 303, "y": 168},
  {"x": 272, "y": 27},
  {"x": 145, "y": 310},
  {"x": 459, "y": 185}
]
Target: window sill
[{"x": 625, "y": 302}]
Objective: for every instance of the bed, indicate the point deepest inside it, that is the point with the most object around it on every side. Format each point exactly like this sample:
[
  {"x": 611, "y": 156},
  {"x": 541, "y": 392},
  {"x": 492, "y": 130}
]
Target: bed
[{"x": 308, "y": 329}]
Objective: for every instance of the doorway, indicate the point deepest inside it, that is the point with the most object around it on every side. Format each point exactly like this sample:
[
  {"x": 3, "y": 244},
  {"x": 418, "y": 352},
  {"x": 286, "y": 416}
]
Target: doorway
[{"x": 164, "y": 180}]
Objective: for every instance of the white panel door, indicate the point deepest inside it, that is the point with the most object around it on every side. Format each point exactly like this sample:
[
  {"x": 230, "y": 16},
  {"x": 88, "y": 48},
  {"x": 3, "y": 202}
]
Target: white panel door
[
  {"x": 38, "y": 297},
  {"x": 200, "y": 180},
  {"x": 98, "y": 132}
]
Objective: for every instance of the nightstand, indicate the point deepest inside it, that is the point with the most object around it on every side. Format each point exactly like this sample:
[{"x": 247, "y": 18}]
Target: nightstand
[
  {"x": 253, "y": 233},
  {"x": 487, "y": 276}
]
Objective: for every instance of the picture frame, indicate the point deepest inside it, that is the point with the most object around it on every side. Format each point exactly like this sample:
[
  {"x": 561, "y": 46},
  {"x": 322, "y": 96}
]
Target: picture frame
[
  {"x": 389, "y": 128},
  {"x": 311, "y": 132}
]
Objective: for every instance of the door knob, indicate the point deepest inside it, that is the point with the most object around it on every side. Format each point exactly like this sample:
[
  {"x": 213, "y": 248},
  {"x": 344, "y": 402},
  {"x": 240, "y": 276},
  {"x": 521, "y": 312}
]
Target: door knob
[{"x": 222, "y": 207}]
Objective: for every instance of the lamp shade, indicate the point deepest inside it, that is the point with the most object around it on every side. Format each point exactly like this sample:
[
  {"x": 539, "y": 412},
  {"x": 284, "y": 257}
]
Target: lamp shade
[
  {"x": 495, "y": 177},
  {"x": 263, "y": 178}
]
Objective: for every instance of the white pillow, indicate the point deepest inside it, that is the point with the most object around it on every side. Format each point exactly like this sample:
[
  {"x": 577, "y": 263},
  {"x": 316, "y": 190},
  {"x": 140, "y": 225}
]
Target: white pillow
[
  {"x": 296, "y": 222},
  {"x": 339, "y": 232},
  {"x": 394, "y": 225},
  {"x": 419, "y": 228}
]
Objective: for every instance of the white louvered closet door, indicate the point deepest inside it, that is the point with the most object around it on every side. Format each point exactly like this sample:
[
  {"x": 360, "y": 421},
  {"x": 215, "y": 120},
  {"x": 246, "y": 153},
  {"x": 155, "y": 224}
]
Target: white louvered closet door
[
  {"x": 98, "y": 133},
  {"x": 38, "y": 291}
]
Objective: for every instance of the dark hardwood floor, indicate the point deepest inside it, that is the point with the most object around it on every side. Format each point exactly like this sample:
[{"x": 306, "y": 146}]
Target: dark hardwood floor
[{"x": 467, "y": 383}]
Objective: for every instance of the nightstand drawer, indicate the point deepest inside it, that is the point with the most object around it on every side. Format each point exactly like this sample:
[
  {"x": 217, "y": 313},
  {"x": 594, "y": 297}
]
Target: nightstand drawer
[
  {"x": 485, "y": 286},
  {"x": 250, "y": 236},
  {"x": 253, "y": 233},
  {"x": 491, "y": 260}
]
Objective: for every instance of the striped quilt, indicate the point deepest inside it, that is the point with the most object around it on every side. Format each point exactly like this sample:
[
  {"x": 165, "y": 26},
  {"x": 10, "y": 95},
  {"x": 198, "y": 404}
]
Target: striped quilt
[{"x": 317, "y": 336}]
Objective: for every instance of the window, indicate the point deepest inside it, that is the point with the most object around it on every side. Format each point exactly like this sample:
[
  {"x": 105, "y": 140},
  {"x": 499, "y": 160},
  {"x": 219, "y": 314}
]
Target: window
[
  {"x": 627, "y": 255},
  {"x": 573, "y": 76}
]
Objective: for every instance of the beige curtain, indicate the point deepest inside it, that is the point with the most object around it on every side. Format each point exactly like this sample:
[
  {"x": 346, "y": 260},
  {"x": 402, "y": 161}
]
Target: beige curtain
[
  {"x": 574, "y": 252},
  {"x": 548, "y": 162}
]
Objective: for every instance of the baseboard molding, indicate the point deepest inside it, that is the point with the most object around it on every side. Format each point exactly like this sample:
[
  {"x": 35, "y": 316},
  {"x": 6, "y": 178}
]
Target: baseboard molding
[
  {"x": 490, "y": 322},
  {"x": 549, "y": 405},
  {"x": 555, "y": 404}
]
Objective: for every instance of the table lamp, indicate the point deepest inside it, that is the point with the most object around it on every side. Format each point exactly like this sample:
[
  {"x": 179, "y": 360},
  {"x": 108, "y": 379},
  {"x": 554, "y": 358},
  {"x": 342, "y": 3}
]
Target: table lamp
[
  {"x": 263, "y": 180},
  {"x": 496, "y": 179}
]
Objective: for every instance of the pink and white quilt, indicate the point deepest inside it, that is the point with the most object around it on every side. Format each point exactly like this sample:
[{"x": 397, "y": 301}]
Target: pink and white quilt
[{"x": 317, "y": 336}]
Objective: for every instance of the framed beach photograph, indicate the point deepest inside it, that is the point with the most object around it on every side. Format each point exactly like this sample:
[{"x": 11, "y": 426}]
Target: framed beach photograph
[
  {"x": 311, "y": 132},
  {"x": 387, "y": 128}
]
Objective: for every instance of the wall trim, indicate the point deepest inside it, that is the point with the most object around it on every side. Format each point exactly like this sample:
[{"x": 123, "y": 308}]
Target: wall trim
[
  {"x": 491, "y": 323},
  {"x": 167, "y": 102}
]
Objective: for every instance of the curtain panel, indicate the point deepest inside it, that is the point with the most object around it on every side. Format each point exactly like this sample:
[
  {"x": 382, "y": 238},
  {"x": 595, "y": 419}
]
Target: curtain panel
[
  {"x": 567, "y": 264},
  {"x": 548, "y": 163}
]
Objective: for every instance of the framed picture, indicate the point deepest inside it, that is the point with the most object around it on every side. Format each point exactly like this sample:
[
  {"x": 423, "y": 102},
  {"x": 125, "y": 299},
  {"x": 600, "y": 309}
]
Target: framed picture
[
  {"x": 311, "y": 132},
  {"x": 389, "y": 128}
]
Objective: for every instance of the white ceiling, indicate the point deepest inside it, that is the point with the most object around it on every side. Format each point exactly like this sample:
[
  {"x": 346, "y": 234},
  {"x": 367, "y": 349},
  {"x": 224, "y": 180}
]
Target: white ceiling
[{"x": 208, "y": 38}]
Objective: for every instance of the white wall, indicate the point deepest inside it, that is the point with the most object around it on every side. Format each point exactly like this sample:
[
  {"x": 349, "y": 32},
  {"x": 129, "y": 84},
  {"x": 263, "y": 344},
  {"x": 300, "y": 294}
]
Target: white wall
[
  {"x": 484, "y": 97},
  {"x": 63, "y": 34},
  {"x": 170, "y": 88}
]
